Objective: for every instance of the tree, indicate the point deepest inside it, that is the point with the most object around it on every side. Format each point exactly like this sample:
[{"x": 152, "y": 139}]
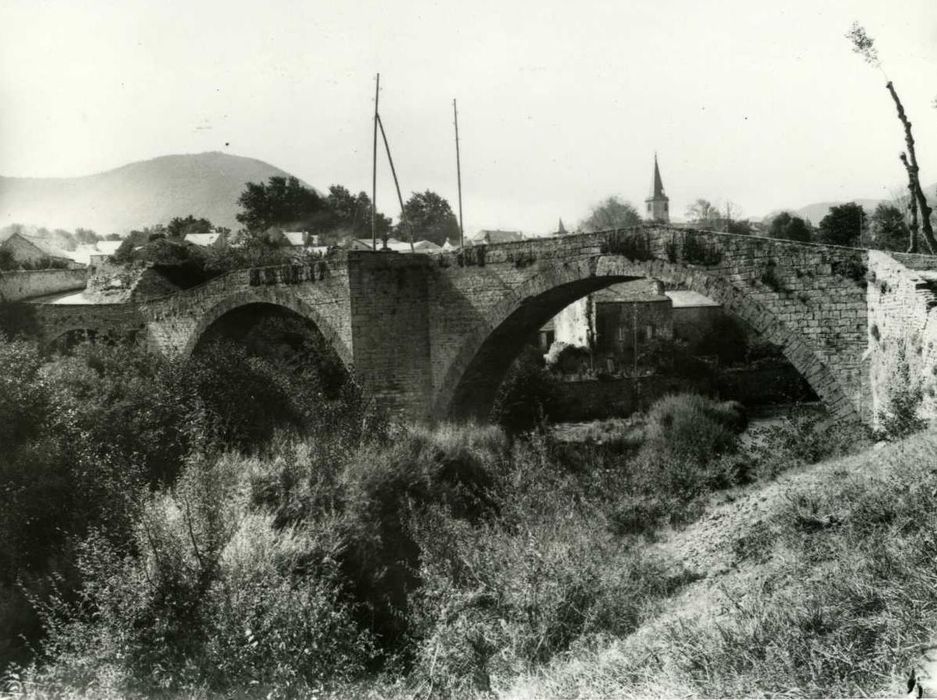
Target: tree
[
  {"x": 888, "y": 229},
  {"x": 86, "y": 236},
  {"x": 703, "y": 213},
  {"x": 793, "y": 228},
  {"x": 284, "y": 202},
  {"x": 430, "y": 217},
  {"x": 611, "y": 213},
  {"x": 843, "y": 225},
  {"x": 864, "y": 45},
  {"x": 179, "y": 227},
  {"x": 351, "y": 214}
]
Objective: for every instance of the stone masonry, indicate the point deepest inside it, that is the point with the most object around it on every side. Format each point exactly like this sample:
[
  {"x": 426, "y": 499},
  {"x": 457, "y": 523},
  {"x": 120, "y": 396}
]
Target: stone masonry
[{"x": 431, "y": 337}]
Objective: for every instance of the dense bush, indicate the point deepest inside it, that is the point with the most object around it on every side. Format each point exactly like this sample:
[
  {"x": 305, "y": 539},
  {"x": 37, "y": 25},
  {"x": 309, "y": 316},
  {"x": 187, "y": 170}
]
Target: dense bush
[
  {"x": 528, "y": 394},
  {"x": 206, "y": 595},
  {"x": 85, "y": 437}
]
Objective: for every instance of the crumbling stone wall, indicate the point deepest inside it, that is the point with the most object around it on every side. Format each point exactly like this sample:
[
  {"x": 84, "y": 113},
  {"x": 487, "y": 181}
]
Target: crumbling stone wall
[
  {"x": 16, "y": 285},
  {"x": 902, "y": 304}
]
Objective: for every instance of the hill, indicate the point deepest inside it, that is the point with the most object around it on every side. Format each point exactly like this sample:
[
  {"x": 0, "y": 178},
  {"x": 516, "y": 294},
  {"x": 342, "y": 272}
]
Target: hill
[
  {"x": 816, "y": 211},
  {"x": 135, "y": 195}
]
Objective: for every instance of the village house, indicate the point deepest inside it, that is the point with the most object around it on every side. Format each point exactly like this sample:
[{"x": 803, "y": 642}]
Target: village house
[
  {"x": 485, "y": 237},
  {"x": 36, "y": 251}
]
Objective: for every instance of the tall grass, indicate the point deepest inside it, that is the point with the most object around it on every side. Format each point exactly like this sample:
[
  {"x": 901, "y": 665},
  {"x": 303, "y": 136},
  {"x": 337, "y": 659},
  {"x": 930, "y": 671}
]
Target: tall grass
[{"x": 841, "y": 606}]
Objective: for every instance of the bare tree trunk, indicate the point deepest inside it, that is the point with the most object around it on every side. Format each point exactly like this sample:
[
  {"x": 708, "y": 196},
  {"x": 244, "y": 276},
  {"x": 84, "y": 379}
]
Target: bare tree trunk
[
  {"x": 912, "y": 226},
  {"x": 910, "y": 164}
]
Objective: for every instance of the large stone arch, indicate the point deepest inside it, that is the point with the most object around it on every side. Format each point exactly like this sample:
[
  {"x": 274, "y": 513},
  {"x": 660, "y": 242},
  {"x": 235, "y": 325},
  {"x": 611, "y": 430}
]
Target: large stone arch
[
  {"x": 477, "y": 367},
  {"x": 271, "y": 297}
]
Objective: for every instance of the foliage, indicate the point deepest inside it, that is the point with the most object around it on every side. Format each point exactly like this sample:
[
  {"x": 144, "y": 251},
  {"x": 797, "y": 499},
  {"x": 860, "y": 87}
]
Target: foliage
[
  {"x": 178, "y": 226},
  {"x": 726, "y": 339},
  {"x": 351, "y": 214},
  {"x": 888, "y": 229},
  {"x": 704, "y": 214},
  {"x": 740, "y": 227},
  {"x": 208, "y": 595},
  {"x": 86, "y": 236},
  {"x": 634, "y": 245},
  {"x": 430, "y": 217},
  {"x": 527, "y": 395},
  {"x": 281, "y": 202},
  {"x": 697, "y": 251},
  {"x": 792, "y": 228},
  {"x": 611, "y": 213},
  {"x": 900, "y": 416},
  {"x": 566, "y": 359},
  {"x": 863, "y": 44},
  {"x": 844, "y": 225},
  {"x": 18, "y": 318}
]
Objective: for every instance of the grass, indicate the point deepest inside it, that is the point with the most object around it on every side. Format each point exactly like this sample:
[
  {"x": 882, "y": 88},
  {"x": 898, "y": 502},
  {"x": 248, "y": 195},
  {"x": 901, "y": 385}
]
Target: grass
[{"x": 834, "y": 596}]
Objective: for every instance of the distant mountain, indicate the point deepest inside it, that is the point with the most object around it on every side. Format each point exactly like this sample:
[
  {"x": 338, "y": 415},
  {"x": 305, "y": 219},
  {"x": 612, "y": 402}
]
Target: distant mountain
[
  {"x": 816, "y": 212},
  {"x": 135, "y": 195}
]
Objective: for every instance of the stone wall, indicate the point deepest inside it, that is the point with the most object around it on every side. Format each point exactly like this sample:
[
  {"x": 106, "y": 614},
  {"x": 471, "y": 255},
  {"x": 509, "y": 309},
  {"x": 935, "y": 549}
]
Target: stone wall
[
  {"x": 593, "y": 399},
  {"x": 25, "y": 284},
  {"x": 390, "y": 327},
  {"x": 902, "y": 336}
]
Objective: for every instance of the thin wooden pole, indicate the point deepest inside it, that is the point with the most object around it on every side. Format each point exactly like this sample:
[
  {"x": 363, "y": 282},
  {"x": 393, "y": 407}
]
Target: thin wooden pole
[
  {"x": 393, "y": 171},
  {"x": 377, "y": 94},
  {"x": 458, "y": 170}
]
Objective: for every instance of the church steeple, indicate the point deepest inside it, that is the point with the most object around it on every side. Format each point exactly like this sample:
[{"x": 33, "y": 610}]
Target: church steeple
[{"x": 658, "y": 204}]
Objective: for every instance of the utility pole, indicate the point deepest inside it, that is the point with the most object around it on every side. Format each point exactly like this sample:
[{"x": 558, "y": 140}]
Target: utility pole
[
  {"x": 393, "y": 172},
  {"x": 377, "y": 94},
  {"x": 458, "y": 170}
]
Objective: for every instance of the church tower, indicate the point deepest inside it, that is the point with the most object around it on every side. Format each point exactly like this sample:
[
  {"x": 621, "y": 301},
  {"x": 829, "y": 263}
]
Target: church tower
[{"x": 658, "y": 204}]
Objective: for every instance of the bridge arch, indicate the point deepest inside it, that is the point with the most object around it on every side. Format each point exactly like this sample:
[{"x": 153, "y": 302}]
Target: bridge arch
[
  {"x": 477, "y": 368},
  {"x": 271, "y": 298}
]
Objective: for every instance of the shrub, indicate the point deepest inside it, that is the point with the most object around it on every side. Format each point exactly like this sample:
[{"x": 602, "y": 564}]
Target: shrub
[
  {"x": 527, "y": 395},
  {"x": 690, "y": 449},
  {"x": 383, "y": 486},
  {"x": 206, "y": 595},
  {"x": 900, "y": 417}
]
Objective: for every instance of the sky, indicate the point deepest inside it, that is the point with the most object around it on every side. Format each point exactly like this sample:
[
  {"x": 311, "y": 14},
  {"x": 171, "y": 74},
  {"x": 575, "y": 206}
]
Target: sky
[{"x": 561, "y": 104}]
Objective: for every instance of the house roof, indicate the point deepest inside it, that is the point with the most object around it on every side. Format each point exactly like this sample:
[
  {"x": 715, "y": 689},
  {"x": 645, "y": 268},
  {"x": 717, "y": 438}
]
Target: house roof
[
  {"x": 296, "y": 238},
  {"x": 628, "y": 292},
  {"x": 498, "y": 236},
  {"x": 44, "y": 246},
  {"x": 202, "y": 239},
  {"x": 685, "y": 298},
  {"x": 107, "y": 247}
]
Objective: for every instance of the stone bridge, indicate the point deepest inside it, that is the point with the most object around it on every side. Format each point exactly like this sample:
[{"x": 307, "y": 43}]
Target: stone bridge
[{"x": 431, "y": 336}]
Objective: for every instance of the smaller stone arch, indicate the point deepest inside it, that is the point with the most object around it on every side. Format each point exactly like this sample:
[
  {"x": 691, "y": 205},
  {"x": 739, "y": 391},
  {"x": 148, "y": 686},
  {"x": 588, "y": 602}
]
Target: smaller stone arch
[
  {"x": 554, "y": 286},
  {"x": 272, "y": 298}
]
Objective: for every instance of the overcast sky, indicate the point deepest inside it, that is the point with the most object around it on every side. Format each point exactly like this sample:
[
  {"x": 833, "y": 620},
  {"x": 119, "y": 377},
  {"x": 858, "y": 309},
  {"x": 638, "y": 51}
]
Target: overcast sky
[{"x": 560, "y": 103}]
